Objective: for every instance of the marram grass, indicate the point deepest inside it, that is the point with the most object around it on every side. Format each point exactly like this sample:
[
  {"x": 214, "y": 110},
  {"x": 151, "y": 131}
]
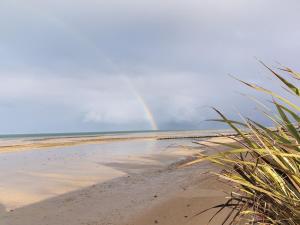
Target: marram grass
[{"x": 263, "y": 166}]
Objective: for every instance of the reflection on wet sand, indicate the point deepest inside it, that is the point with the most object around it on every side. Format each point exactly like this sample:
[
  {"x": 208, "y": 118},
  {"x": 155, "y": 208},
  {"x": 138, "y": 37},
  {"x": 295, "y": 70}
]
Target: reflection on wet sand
[{"x": 34, "y": 175}]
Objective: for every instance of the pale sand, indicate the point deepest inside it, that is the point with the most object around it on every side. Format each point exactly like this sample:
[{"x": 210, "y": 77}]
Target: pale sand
[{"x": 156, "y": 196}]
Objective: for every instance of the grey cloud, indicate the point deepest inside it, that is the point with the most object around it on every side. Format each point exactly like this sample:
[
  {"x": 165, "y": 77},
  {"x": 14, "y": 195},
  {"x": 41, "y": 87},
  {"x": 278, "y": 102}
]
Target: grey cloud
[{"x": 68, "y": 58}]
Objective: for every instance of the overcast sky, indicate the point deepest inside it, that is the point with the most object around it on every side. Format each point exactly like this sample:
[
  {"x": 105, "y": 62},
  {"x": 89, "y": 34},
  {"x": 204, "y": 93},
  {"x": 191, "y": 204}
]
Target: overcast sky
[{"x": 94, "y": 65}]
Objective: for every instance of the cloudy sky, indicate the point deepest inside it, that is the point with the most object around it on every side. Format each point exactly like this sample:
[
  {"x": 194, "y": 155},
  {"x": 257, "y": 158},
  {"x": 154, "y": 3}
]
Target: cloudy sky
[{"x": 95, "y": 65}]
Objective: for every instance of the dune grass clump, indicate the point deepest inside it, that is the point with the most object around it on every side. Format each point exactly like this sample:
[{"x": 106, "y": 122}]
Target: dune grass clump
[{"x": 263, "y": 163}]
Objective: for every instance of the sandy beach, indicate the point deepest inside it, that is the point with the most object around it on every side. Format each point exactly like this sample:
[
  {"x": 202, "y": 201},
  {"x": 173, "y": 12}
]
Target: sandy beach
[
  {"x": 113, "y": 112},
  {"x": 147, "y": 189}
]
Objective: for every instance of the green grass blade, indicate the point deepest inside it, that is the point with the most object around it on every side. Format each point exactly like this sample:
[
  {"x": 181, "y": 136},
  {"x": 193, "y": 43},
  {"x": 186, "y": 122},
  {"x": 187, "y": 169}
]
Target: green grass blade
[{"x": 292, "y": 87}]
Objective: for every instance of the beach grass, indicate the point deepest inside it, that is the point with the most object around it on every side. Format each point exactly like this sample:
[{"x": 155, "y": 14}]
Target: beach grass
[{"x": 263, "y": 164}]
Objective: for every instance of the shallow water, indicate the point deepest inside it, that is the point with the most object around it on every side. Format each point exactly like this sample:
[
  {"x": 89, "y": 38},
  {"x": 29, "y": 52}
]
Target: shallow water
[{"x": 33, "y": 175}]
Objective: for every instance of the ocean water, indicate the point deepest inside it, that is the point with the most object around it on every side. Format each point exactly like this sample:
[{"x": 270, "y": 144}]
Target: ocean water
[
  {"x": 74, "y": 134},
  {"x": 38, "y": 136}
]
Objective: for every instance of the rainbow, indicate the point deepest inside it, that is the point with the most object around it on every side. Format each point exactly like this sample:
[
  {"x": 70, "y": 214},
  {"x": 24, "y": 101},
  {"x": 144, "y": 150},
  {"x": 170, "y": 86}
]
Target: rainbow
[
  {"x": 83, "y": 39},
  {"x": 142, "y": 101}
]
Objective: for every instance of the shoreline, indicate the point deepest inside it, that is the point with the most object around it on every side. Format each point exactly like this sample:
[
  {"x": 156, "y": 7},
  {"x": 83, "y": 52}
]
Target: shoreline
[
  {"x": 56, "y": 142},
  {"x": 157, "y": 195}
]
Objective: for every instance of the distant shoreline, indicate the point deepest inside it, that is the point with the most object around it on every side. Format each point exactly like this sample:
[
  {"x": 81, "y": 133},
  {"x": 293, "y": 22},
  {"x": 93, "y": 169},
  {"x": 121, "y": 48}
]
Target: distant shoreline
[
  {"x": 102, "y": 133},
  {"x": 20, "y": 144}
]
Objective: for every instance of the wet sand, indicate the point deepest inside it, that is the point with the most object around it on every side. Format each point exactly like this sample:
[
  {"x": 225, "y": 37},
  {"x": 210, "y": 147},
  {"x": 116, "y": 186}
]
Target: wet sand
[
  {"x": 34, "y": 175},
  {"x": 23, "y": 144},
  {"x": 169, "y": 196},
  {"x": 146, "y": 189}
]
